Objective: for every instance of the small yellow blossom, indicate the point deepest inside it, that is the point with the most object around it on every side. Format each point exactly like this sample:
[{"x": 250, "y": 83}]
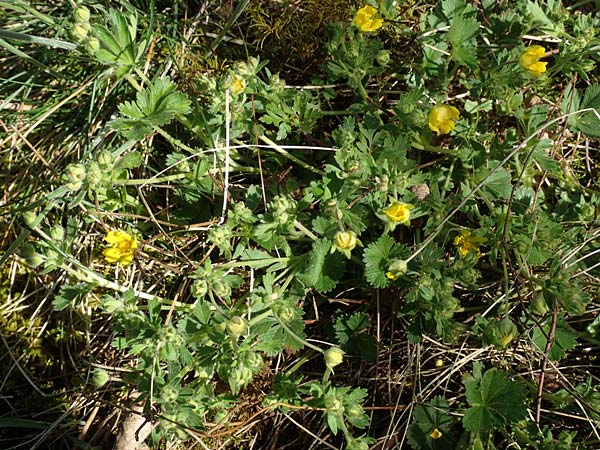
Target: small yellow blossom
[
  {"x": 237, "y": 85},
  {"x": 466, "y": 243},
  {"x": 399, "y": 212},
  {"x": 436, "y": 434},
  {"x": 364, "y": 20},
  {"x": 344, "y": 242},
  {"x": 442, "y": 118},
  {"x": 530, "y": 59},
  {"x": 121, "y": 249}
]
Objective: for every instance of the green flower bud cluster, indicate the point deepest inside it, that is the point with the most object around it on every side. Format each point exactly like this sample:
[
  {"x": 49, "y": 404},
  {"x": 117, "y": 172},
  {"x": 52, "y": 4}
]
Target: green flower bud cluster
[
  {"x": 212, "y": 282},
  {"x": 221, "y": 237},
  {"x": 81, "y": 28},
  {"x": 74, "y": 176},
  {"x": 283, "y": 210}
]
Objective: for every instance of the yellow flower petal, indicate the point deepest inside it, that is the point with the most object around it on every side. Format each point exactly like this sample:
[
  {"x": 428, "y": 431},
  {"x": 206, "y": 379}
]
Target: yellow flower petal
[
  {"x": 364, "y": 20},
  {"x": 530, "y": 59},
  {"x": 436, "y": 434},
  {"x": 399, "y": 212},
  {"x": 121, "y": 247},
  {"x": 467, "y": 243},
  {"x": 442, "y": 118}
]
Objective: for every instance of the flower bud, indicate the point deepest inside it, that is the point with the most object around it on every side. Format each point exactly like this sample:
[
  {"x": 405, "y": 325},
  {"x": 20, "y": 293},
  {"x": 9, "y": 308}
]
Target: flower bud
[
  {"x": 82, "y": 14},
  {"x": 383, "y": 57},
  {"x": 31, "y": 256},
  {"x": 74, "y": 176},
  {"x": 223, "y": 290},
  {"x": 57, "y": 233},
  {"x": 199, "y": 288},
  {"x": 100, "y": 377},
  {"x": 435, "y": 434},
  {"x": 236, "y": 326},
  {"x": 333, "y": 357},
  {"x": 105, "y": 159},
  {"x": 30, "y": 218},
  {"x": 94, "y": 174},
  {"x": 334, "y": 405},
  {"x": 286, "y": 314},
  {"x": 354, "y": 411},
  {"x": 398, "y": 268},
  {"x": 345, "y": 240},
  {"x": 92, "y": 45},
  {"x": 80, "y": 31}
]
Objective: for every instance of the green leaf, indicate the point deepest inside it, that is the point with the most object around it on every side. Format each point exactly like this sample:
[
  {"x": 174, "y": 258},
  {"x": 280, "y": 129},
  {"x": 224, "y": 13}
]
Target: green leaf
[
  {"x": 323, "y": 268},
  {"x": 350, "y": 335},
  {"x": 155, "y": 106},
  {"x": 118, "y": 44},
  {"x": 541, "y": 19},
  {"x": 461, "y": 33},
  {"x": 69, "y": 294},
  {"x": 495, "y": 401},
  {"x": 564, "y": 340},
  {"x": 589, "y": 122},
  {"x": 129, "y": 161},
  {"x": 376, "y": 257},
  {"x": 497, "y": 184},
  {"x": 427, "y": 418}
]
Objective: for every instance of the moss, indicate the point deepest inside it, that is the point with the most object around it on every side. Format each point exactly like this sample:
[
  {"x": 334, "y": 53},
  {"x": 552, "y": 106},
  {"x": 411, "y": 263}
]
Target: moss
[{"x": 292, "y": 33}]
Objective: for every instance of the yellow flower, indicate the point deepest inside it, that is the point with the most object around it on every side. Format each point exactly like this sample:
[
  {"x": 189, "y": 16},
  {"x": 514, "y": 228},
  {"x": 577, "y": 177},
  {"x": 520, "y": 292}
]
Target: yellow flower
[
  {"x": 466, "y": 243},
  {"x": 121, "y": 248},
  {"x": 237, "y": 85},
  {"x": 399, "y": 212},
  {"x": 345, "y": 240},
  {"x": 442, "y": 118},
  {"x": 364, "y": 20},
  {"x": 530, "y": 59},
  {"x": 436, "y": 434}
]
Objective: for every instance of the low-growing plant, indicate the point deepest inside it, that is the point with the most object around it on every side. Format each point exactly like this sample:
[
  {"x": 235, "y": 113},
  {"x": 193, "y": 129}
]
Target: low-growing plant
[{"x": 259, "y": 247}]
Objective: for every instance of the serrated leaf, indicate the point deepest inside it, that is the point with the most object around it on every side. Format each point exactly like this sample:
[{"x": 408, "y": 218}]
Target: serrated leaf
[
  {"x": 540, "y": 17},
  {"x": 323, "y": 268},
  {"x": 589, "y": 122},
  {"x": 427, "y": 418},
  {"x": 462, "y": 30},
  {"x": 564, "y": 340},
  {"x": 155, "y": 106},
  {"x": 350, "y": 335},
  {"x": 375, "y": 257},
  {"x": 118, "y": 44},
  {"x": 497, "y": 184},
  {"x": 495, "y": 401},
  {"x": 69, "y": 294},
  {"x": 129, "y": 161}
]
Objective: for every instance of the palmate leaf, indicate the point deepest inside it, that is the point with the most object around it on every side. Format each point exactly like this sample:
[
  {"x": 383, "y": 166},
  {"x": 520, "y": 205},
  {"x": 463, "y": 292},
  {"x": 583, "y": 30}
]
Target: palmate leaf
[
  {"x": 564, "y": 340},
  {"x": 154, "y": 106},
  {"x": 323, "y": 268},
  {"x": 376, "y": 257},
  {"x": 428, "y": 418},
  {"x": 461, "y": 35},
  {"x": 589, "y": 122},
  {"x": 495, "y": 401},
  {"x": 118, "y": 43}
]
